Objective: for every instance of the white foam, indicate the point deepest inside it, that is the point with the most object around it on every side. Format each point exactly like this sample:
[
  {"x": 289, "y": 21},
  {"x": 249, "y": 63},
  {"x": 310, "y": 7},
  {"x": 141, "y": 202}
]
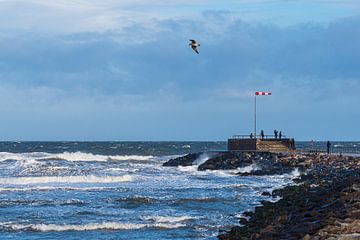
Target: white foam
[
  {"x": 51, "y": 188},
  {"x": 202, "y": 158},
  {"x": 167, "y": 225},
  {"x": 188, "y": 169},
  {"x": 87, "y": 227},
  {"x": 295, "y": 173},
  {"x": 167, "y": 219},
  {"x": 232, "y": 172},
  {"x": 70, "y": 156},
  {"x": 65, "y": 179},
  {"x": 80, "y": 156},
  {"x": 248, "y": 169}
]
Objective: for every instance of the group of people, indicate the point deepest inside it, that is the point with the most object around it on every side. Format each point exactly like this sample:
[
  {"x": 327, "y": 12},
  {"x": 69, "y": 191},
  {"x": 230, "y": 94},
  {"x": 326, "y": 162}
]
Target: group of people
[{"x": 277, "y": 134}]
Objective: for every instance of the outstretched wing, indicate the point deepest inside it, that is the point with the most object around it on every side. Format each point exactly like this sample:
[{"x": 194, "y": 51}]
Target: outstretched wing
[
  {"x": 195, "y": 49},
  {"x": 193, "y": 41}
]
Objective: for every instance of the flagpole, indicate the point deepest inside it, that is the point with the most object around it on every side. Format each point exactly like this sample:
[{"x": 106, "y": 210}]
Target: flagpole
[
  {"x": 255, "y": 117},
  {"x": 258, "y": 93}
]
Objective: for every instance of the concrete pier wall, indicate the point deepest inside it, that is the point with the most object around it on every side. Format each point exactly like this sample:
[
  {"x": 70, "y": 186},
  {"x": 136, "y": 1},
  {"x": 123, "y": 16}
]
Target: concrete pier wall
[
  {"x": 241, "y": 144},
  {"x": 271, "y": 145}
]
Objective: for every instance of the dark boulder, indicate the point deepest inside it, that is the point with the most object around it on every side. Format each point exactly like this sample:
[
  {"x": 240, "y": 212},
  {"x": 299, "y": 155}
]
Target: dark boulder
[
  {"x": 186, "y": 160},
  {"x": 227, "y": 160}
]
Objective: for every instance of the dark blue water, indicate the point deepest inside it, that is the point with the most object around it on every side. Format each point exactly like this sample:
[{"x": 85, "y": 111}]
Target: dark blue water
[{"x": 119, "y": 190}]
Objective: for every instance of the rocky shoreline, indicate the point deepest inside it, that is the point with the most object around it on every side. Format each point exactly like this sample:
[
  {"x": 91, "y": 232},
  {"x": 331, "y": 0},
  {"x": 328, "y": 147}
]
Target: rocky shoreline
[{"x": 324, "y": 204}]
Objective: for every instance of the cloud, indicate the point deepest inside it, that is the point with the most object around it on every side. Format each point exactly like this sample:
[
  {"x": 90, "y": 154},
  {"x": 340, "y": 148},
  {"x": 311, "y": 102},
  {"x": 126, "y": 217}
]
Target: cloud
[
  {"x": 74, "y": 16},
  {"x": 147, "y": 75},
  {"x": 237, "y": 55}
]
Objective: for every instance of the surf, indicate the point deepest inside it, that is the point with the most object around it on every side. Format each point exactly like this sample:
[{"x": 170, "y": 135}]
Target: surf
[
  {"x": 64, "y": 179},
  {"x": 71, "y": 156}
]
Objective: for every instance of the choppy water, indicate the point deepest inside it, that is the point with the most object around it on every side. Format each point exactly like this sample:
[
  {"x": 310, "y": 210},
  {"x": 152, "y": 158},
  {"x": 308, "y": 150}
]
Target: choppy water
[{"x": 119, "y": 190}]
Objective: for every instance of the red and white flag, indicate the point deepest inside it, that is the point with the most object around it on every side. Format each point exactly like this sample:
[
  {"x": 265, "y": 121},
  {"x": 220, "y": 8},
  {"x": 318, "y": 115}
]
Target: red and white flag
[{"x": 262, "y": 93}]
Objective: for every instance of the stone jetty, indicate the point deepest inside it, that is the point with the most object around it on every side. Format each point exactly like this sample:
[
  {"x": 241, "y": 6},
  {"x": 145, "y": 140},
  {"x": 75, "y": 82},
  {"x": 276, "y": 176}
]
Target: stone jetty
[{"x": 323, "y": 204}]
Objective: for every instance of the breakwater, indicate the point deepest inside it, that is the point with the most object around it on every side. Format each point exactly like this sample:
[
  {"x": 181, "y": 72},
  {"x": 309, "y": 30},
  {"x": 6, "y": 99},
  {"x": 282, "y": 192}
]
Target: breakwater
[{"x": 323, "y": 204}]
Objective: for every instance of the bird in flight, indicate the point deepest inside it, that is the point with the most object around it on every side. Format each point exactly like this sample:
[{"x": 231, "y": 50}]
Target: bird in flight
[{"x": 194, "y": 45}]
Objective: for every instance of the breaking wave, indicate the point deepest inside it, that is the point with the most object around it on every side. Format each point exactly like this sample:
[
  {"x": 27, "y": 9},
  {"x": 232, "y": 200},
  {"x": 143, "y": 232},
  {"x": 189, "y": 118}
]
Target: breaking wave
[
  {"x": 86, "y": 227},
  {"x": 168, "y": 219},
  {"x": 70, "y": 156},
  {"x": 65, "y": 179},
  {"x": 9, "y": 202},
  {"x": 51, "y": 188},
  {"x": 248, "y": 169}
]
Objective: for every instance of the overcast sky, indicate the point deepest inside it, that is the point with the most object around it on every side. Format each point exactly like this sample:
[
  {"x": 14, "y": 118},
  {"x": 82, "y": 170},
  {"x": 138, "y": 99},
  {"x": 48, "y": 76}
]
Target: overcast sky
[{"x": 123, "y": 70}]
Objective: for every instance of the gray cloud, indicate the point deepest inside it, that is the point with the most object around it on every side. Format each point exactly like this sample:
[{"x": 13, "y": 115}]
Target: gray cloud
[{"x": 143, "y": 72}]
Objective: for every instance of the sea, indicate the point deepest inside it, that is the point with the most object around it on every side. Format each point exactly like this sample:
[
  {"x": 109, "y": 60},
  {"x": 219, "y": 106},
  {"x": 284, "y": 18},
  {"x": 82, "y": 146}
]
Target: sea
[{"x": 120, "y": 190}]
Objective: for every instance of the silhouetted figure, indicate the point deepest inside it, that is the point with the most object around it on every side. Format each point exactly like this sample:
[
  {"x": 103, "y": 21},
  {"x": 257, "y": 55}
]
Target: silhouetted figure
[
  {"x": 292, "y": 144},
  {"x": 251, "y": 136},
  {"x": 276, "y": 133},
  {"x": 328, "y": 145},
  {"x": 280, "y": 135},
  {"x": 262, "y": 135}
]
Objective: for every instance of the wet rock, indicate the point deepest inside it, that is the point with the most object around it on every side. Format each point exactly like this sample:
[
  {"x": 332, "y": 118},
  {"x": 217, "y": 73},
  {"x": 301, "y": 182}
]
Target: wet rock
[
  {"x": 227, "y": 160},
  {"x": 325, "y": 204},
  {"x": 266, "y": 194},
  {"x": 186, "y": 160},
  {"x": 243, "y": 221}
]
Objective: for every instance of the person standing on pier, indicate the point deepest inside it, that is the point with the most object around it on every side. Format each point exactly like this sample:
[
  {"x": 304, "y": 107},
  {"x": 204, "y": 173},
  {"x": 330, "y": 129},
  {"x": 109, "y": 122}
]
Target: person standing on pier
[
  {"x": 280, "y": 135},
  {"x": 262, "y": 134},
  {"x": 276, "y": 133},
  {"x": 328, "y": 145}
]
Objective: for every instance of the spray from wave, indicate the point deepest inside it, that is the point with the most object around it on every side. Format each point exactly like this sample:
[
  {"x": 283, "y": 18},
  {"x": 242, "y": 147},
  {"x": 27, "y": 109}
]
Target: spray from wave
[{"x": 202, "y": 158}]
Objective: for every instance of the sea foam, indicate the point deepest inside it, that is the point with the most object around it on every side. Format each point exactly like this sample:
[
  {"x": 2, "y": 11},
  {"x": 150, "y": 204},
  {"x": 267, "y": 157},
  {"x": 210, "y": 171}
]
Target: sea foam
[
  {"x": 70, "y": 156},
  {"x": 168, "y": 219},
  {"x": 86, "y": 227},
  {"x": 65, "y": 179}
]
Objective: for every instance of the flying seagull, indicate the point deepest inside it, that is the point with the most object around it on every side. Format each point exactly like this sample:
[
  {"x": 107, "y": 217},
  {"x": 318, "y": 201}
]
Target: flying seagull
[{"x": 194, "y": 45}]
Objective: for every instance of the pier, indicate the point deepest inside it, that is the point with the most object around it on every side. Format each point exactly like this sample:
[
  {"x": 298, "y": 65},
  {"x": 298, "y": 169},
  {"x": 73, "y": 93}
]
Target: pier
[{"x": 267, "y": 143}]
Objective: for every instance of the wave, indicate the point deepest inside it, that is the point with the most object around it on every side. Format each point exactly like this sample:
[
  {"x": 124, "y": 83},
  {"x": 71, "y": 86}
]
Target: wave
[
  {"x": 168, "y": 219},
  {"x": 70, "y": 156},
  {"x": 51, "y": 188},
  {"x": 65, "y": 179},
  {"x": 8, "y": 202},
  {"x": 199, "y": 200},
  {"x": 86, "y": 227},
  {"x": 135, "y": 200},
  {"x": 248, "y": 169}
]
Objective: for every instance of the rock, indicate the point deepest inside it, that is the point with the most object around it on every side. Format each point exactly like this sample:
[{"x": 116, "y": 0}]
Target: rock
[
  {"x": 226, "y": 160},
  {"x": 306, "y": 237},
  {"x": 186, "y": 160},
  {"x": 266, "y": 194},
  {"x": 325, "y": 204},
  {"x": 243, "y": 221},
  {"x": 282, "y": 219}
]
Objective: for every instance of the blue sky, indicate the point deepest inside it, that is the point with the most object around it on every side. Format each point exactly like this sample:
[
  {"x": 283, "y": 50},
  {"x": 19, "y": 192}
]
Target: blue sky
[{"x": 122, "y": 70}]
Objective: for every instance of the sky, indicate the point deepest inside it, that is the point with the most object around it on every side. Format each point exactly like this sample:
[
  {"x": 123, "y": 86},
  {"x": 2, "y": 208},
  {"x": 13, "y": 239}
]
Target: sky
[{"x": 123, "y": 70}]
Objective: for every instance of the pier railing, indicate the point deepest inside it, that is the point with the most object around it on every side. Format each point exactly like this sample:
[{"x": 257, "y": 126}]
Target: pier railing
[
  {"x": 243, "y": 136},
  {"x": 333, "y": 150}
]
